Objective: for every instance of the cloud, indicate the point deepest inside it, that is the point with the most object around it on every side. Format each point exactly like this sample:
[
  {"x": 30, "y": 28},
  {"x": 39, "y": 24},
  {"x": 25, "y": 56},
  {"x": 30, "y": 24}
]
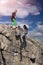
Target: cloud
[
  {"x": 10, "y": 23},
  {"x": 22, "y": 13},
  {"x": 3, "y": 1},
  {"x": 36, "y": 13},
  {"x": 24, "y": 7},
  {"x": 37, "y": 32},
  {"x": 40, "y": 27},
  {"x": 36, "y": 35}
]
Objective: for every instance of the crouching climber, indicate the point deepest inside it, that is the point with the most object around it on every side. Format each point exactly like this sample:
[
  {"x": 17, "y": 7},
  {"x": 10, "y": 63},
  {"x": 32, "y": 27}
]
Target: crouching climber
[
  {"x": 23, "y": 34},
  {"x": 25, "y": 30}
]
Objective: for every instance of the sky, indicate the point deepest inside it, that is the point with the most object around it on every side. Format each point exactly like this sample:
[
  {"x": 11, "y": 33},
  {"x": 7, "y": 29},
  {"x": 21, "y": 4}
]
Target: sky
[{"x": 29, "y": 12}]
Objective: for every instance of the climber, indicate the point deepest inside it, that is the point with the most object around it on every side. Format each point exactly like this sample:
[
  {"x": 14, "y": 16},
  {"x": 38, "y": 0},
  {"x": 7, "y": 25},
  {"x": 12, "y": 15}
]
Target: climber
[
  {"x": 23, "y": 31},
  {"x": 13, "y": 18},
  {"x": 23, "y": 34}
]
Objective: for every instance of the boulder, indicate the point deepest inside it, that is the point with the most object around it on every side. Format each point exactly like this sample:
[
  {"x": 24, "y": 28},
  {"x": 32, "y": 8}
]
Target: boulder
[{"x": 11, "y": 52}]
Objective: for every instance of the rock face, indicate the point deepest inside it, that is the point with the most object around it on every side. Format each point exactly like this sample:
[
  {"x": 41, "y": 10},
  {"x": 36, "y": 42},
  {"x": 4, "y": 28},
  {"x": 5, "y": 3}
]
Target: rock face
[{"x": 11, "y": 52}]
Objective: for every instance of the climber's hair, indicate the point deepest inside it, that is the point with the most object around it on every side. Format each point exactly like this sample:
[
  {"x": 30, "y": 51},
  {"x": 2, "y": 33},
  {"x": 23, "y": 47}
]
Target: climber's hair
[{"x": 25, "y": 27}]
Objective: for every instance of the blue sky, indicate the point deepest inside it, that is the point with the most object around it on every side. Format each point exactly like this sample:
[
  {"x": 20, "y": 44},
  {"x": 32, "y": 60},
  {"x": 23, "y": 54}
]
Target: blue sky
[{"x": 29, "y": 12}]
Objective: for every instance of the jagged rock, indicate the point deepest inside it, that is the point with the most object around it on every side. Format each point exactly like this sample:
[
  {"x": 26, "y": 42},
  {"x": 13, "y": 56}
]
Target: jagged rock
[{"x": 11, "y": 53}]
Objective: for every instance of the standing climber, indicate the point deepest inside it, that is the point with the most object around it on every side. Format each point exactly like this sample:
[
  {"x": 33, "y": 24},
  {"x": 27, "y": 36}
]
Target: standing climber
[{"x": 13, "y": 18}]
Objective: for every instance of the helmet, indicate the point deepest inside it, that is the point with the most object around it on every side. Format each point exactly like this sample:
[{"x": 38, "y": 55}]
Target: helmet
[{"x": 25, "y": 26}]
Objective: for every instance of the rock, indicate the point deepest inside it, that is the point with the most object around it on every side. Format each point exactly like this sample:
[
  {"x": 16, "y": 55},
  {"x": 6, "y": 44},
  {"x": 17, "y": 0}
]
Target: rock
[{"x": 10, "y": 50}]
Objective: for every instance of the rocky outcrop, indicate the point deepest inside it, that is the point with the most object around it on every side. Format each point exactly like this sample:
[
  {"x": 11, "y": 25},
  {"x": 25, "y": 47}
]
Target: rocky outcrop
[{"x": 11, "y": 52}]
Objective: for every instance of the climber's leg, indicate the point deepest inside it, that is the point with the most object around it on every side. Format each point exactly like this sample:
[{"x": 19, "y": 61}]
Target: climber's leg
[
  {"x": 20, "y": 54},
  {"x": 24, "y": 42}
]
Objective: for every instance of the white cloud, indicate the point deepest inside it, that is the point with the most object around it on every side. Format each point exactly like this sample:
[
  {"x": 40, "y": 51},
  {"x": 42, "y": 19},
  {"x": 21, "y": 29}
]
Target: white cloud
[
  {"x": 33, "y": 10},
  {"x": 38, "y": 34},
  {"x": 22, "y": 13},
  {"x": 35, "y": 33},
  {"x": 40, "y": 27},
  {"x": 6, "y": 22},
  {"x": 3, "y": 1},
  {"x": 38, "y": 31},
  {"x": 8, "y": 6},
  {"x": 37, "y": 13}
]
